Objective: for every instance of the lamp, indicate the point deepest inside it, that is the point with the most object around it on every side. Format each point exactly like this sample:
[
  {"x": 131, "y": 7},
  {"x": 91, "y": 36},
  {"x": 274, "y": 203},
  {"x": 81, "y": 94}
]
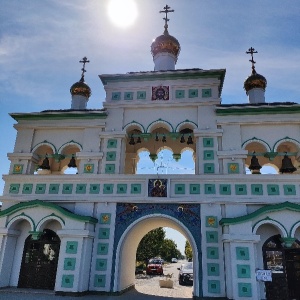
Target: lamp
[
  {"x": 287, "y": 166},
  {"x": 45, "y": 164},
  {"x": 131, "y": 141},
  {"x": 72, "y": 163},
  {"x": 254, "y": 165},
  {"x": 190, "y": 140},
  {"x": 182, "y": 140}
]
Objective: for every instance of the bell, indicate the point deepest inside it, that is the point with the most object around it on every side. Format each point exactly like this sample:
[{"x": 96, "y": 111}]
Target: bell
[
  {"x": 254, "y": 165},
  {"x": 156, "y": 138},
  {"x": 45, "y": 164},
  {"x": 287, "y": 166},
  {"x": 72, "y": 163},
  {"x": 182, "y": 140},
  {"x": 190, "y": 140},
  {"x": 138, "y": 141},
  {"x": 131, "y": 141},
  {"x": 164, "y": 139}
]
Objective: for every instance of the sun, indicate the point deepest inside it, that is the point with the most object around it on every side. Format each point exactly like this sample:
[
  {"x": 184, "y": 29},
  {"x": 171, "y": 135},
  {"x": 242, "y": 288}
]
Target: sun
[{"x": 122, "y": 13}]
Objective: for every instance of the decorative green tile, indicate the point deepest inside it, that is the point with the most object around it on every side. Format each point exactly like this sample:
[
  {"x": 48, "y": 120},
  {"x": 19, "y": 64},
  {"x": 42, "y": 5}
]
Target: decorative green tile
[
  {"x": 214, "y": 286},
  {"x": 179, "y": 94},
  {"x": 225, "y": 189},
  {"x": 209, "y": 168},
  {"x": 233, "y": 168},
  {"x": 111, "y": 155},
  {"x": 121, "y": 188},
  {"x": 116, "y": 96},
  {"x": 206, "y": 93},
  {"x": 243, "y": 271},
  {"x": 104, "y": 233},
  {"x": 256, "y": 189},
  {"x": 128, "y": 95},
  {"x": 67, "y": 281},
  {"x": 244, "y": 289},
  {"x": 71, "y": 247},
  {"x": 289, "y": 190},
  {"x": 208, "y": 154},
  {"x": 94, "y": 188},
  {"x": 69, "y": 263},
  {"x": 105, "y": 218},
  {"x": 194, "y": 188},
  {"x": 242, "y": 253},
  {"x": 208, "y": 142},
  {"x": 212, "y": 253},
  {"x": 14, "y": 188},
  {"x": 110, "y": 168},
  {"x": 211, "y": 221},
  {"x": 27, "y": 188},
  {"x": 212, "y": 236},
  {"x": 136, "y": 188},
  {"x": 193, "y": 93},
  {"x": 112, "y": 143},
  {"x": 53, "y": 188},
  {"x": 88, "y": 168},
  {"x": 209, "y": 188},
  {"x": 273, "y": 189},
  {"x": 99, "y": 280},
  {"x": 102, "y": 248},
  {"x": 101, "y": 264},
  {"x": 179, "y": 188},
  {"x": 40, "y": 188},
  {"x": 67, "y": 188},
  {"x": 18, "y": 169},
  {"x": 213, "y": 269},
  {"x": 81, "y": 188},
  {"x": 241, "y": 189},
  {"x": 108, "y": 188},
  {"x": 141, "y": 95}
]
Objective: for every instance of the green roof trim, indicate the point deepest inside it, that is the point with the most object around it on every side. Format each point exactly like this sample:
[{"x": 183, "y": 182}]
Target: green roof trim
[
  {"x": 260, "y": 211},
  {"x": 36, "y": 203}
]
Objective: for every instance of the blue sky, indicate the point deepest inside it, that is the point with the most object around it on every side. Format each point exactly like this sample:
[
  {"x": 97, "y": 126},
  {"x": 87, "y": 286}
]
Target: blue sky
[{"x": 41, "y": 43}]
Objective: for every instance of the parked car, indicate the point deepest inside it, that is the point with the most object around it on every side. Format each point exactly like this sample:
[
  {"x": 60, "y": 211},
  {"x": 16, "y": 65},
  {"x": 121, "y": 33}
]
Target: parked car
[
  {"x": 155, "y": 266},
  {"x": 185, "y": 276},
  {"x": 174, "y": 260}
]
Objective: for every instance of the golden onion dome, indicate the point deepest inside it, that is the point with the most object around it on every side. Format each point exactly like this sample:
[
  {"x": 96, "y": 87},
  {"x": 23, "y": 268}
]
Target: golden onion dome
[
  {"x": 255, "y": 80},
  {"x": 80, "y": 88}
]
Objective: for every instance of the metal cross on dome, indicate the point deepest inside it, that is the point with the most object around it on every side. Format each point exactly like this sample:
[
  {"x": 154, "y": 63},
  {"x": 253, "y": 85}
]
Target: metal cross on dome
[
  {"x": 166, "y": 11},
  {"x": 84, "y": 61},
  {"x": 252, "y": 51}
]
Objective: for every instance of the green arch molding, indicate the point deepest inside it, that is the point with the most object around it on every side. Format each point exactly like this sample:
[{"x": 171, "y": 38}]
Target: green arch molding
[
  {"x": 265, "y": 209},
  {"x": 22, "y": 215},
  {"x": 49, "y": 216},
  {"x": 186, "y": 121},
  {"x": 297, "y": 224},
  {"x": 36, "y": 203},
  {"x": 134, "y": 123},
  {"x": 274, "y": 222},
  {"x": 254, "y": 139},
  {"x": 69, "y": 143},
  {"x": 45, "y": 142},
  {"x": 287, "y": 139},
  {"x": 160, "y": 121}
]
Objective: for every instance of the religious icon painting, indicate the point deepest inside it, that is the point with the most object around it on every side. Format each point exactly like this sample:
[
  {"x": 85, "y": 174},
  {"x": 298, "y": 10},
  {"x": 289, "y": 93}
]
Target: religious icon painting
[
  {"x": 160, "y": 92},
  {"x": 157, "y": 187}
]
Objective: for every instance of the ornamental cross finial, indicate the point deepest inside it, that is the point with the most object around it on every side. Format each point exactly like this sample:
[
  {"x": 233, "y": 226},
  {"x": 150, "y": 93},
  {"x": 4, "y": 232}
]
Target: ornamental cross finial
[
  {"x": 252, "y": 51},
  {"x": 166, "y": 11},
  {"x": 83, "y": 61}
]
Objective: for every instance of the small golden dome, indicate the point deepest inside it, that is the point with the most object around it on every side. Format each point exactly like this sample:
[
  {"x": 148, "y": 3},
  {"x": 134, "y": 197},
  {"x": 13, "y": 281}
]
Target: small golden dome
[
  {"x": 80, "y": 88},
  {"x": 255, "y": 80}
]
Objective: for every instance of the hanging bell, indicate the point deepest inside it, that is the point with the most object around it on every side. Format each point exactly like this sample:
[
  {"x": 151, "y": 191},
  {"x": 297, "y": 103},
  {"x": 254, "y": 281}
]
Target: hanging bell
[
  {"x": 72, "y": 163},
  {"x": 156, "y": 138},
  {"x": 139, "y": 140},
  {"x": 254, "y": 165},
  {"x": 45, "y": 164},
  {"x": 182, "y": 140},
  {"x": 190, "y": 140},
  {"x": 164, "y": 139},
  {"x": 287, "y": 166},
  {"x": 131, "y": 141}
]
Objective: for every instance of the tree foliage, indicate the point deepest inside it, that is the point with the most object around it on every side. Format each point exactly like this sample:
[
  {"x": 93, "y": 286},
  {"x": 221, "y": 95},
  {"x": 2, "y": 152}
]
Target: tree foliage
[
  {"x": 169, "y": 250},
  {"x": 188, "y": 250}
]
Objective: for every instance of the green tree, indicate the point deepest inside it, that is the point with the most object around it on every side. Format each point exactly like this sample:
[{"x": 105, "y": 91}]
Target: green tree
[
  {"x": 188, "y": 250},
  {"x": 169, "y": 250}
]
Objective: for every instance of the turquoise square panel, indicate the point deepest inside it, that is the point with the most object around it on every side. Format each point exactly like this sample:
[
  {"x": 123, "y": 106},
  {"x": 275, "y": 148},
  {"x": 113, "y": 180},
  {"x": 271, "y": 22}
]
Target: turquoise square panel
[
  {"x": 193, "y": 93},
  {"x": 208, "y": 155},
  {"x": 128, "y": 96},
  {"x": 81, "y": 188},
  {"x": 88, "y": 168},
  {"x": 121, "y": 188},
  {"x": 212, "y": 252},
  {"x": 243, "y": 271},
  {"x": 112, "y": 143},
  {"x": 111, "y": 155},
  {"x": 211, "y": 221},
  {"x": 208, "y": 142},
  {"x": 69, "y": 263},
  {"x": 14, "y": 188},
  {"x": 110, "y": 168},
  {"x": 213, "y": 269},
  {"x": 225, "y": 189},
  {"x": 242, "y": 253},
  {"x": 241, "y": 189},
  {"x": 214, "y": 286},
  {"x": 206, "y": 93},
  {"x": 135, "y": 188},
  {"x": 27, "y": 188},
  {"x": 18, "y": 169},
  {"x": 245, "y": 289},
  {"x": 233, "y": 168},
  {"x": 99, "y": 280},
  {"x": 209, "y": 168},
  {"x": 211, "y": 236},
  {"x": 67, "y": 188},
  {"x": 105, "y": 218},
  {"x": 273, "y": 189},
  {"x": 108, "y": 188},
  {"x": 289, "y": 190},
  {"x": 101, "y": 264},
  {"x": 257, "y": 189},
  {"x": 71, "y": 247},
  {"x": 209, "y": 188},
  {"x": 102, "y": 249},
  {"x": 103, "y": 233},
  {"x": 141, "y": 95},
  {"x": 116, "y": 96},
  {"x": 194, "y": 188},
  {"x": 179, "y": 188},
  {"x": 94, "y": 188},
  {"x": 179, "y": 94},
  {"x": 40, "y": 188},
  {"x": 67, "y": 281},
  {"x": 53, "y": 188}
]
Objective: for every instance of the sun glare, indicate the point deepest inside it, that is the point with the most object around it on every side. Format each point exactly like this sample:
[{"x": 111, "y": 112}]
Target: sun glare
[{"x": 122, "y": 13}]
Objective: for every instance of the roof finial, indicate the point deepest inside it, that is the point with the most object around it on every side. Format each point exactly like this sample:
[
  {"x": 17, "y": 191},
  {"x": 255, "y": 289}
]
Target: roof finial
[
  {"x": 166, "y": 11},
  {"x": 252, "y": 51},
  {"x": 84, "y": 61}
]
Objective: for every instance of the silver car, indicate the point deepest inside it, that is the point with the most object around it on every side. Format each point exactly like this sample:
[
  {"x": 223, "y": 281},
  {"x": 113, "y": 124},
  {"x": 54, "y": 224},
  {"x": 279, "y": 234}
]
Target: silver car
[{"x": 185, "y": 276}]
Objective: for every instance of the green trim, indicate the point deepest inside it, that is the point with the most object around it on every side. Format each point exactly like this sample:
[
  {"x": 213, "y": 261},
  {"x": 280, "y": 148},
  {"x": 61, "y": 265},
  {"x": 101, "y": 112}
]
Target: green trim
[
  {"x": 160, "y": 121},
  {"x": 35, "y": 203},
  {"x": 274, "y": 221},
  {"x": 72, "y": 142},
  {"x": 23, "y": 215},
  {"x": 254, "y": 139},
  {"x": 287, "y": 139},
  {"x": 260, "y": 211},
  {"x": 134, "y": 123},
  {"x": 185, "y": 121},
  {"x": 45, "y": 142}
]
